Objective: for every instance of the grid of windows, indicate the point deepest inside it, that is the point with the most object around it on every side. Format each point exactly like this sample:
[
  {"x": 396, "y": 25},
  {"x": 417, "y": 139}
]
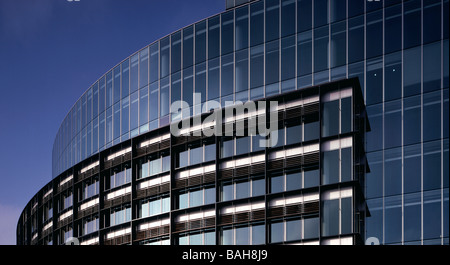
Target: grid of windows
[{"x": 397, "y": 49}]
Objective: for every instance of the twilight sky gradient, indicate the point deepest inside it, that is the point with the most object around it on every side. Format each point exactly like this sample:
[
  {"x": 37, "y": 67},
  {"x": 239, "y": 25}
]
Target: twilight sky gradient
[{"x": 51, "y": 51}]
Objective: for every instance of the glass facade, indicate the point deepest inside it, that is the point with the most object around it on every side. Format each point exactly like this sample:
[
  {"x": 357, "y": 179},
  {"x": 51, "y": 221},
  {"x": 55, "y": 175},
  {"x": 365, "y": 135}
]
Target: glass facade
[{"x": 397, "y": 49}]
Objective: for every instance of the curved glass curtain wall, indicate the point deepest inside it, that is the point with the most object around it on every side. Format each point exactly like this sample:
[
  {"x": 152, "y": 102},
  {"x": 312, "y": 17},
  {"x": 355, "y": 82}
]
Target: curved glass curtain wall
[{"x": 238, "y": 55}]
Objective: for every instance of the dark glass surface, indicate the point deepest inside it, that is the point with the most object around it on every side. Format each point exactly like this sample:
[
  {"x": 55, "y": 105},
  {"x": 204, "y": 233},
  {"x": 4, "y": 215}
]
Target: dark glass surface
[
  {"x": 272, "y": 15},
  {"x": 287, "y": 17},
  {"x": 176, "y": 52},
  {"x": 256, "y": 23},
  {"x": 393, "y": 76},
  {"x": 304, "y": 15},
  {"x": 241, "y": 28},
  {"x": 393, "y": 29},
  {"x": 288, "y": 58},
  {"x": 304, "y": 53},
  {"x": 213, "y": 37},
  {"x": 411, "y": 22},
  {"x": 200, "y": 42}
]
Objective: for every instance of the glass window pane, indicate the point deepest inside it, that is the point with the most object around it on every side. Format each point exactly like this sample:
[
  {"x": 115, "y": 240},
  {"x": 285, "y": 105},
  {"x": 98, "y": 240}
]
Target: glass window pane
[
  {"x": 374, "y": 178},
  {"x": 346, "y": 115},
  {"x": 346, "y": 215},
  {"x": 311, "y": 228},
  {"x": 272, "y": 62},
  {"x": 288, "y": 58},
  {"x": 346, "y": 164},
  {"x": 293, "y": 134},
  {"x": 320, "y": 49},
  {"x": 210, "y": 238},
  {"x": 393, "y": 171},
  {"x": 356, "y": 39},
  {"x": 143, "y": 67},
  {"x": 431, "y": 67},
  {"x": 256, "y": 66},
  {"x": 311, "y": 177},
  {"x": 242, "y": 145},
  {"x": 116, "y": 130},
  {"x": 109, "y": 125},
  {"x": 143, "y": 106},
  {"x": 256, "y": 23},
  {"x": 188, "y": 47},
  {"x": 210, "y": 152},
  {"x": 304, "y": 53},
  {"x": 412, "y": 71},
  {"x": 277, "y": 232},
  {"x": 164, "y": 97},
  {"x": 242, "y": 190},
  {"x": 412, "y": 168},
  {"x": 258, "y": 187},
  {"x": 134, "y": 73},
  {"x": 227, "y": 191},
  {"x": 432, "y": 165},
  {"x": 241, "y": 28},
  {"x": 277, "y": 183},
  {"x": 213, "y": 79},
  {"x": 393, "y": 29},
  {"x": 176, "y": 52},
  {"x": 195, "y": 198},
  {"x": 411, "y": 22},
  {"x": 227, "y": 75},
  {"x": 210, "y": 195},
  {"x": 311, "y": 130},
  {"x": 175, "y": 87},
  {"x": 412, "y": 216},
  {"x": 374, "y": 34},
  {"x": 293, "y": 230},
  {"x": 432, "y": 214},
  {"x": 227, "y": 32},
  {"x": 125, "y": 78},
  {"x": 242, "y": 70},
  {"x": 393, "y": 124},
  {"x": 227, "y": 236},
  {"x": 330, "y": 217},
  {"x": 165, "y": 57},
  {"x": 330, "y": 170},
  {"x": 258, "y": 234},
  {"x": 272, "y": 15},
  {"x": 330, "y": 118},
  {"x": 293, "y": 180},
  {"x": 338, "y": 43},
  {"x": 374, "y": 224},
  {"x": 338, "y": 10},
  {"x": 304, "y": 15},
  {"x": 393, "y": 76},
  {"x": 188, "y": 86},
  {"x": 393, "y": 220},
  {"x": 109, "y": 89},
  {"x": 200, "y": 81},
  {"x": 287, "y": 17},
  {"x": 243, "y": 235},
  {"x": 213, "y": 37},
  {"x": 200, "y": 42},
  {"x": 183, "y": 200},
  {"x": 374, "y": 83},
  {"x": 375, "y": 136},
  {"x": 432, "y": 116},
  {"x": 153, "y": 101},
  {"x": 321, "y": 13},
  {"x": 154, "y": 62},
  {"x": 196, "y": 155}
]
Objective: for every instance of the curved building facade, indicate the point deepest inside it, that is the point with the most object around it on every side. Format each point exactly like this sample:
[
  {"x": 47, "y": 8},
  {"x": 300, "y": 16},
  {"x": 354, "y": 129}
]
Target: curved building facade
[{"x": 120, "y": 176}]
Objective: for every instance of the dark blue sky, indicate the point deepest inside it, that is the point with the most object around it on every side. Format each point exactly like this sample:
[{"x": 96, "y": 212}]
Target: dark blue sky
[{"x": 51, "y": 51}]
